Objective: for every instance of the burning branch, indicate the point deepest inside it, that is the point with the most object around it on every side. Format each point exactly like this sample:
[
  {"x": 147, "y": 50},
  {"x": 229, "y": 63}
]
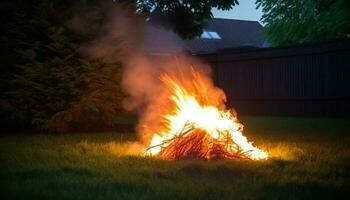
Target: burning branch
[{"x": 194, "y": 143}]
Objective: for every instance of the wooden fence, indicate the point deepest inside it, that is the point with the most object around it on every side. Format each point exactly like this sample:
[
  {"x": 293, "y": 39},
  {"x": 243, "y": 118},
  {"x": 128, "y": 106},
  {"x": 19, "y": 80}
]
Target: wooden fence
[{"x": 306, "y": 80}]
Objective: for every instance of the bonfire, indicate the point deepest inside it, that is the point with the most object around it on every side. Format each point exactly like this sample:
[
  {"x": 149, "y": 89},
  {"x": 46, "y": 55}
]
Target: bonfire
[{"x": 198, "y": 126}]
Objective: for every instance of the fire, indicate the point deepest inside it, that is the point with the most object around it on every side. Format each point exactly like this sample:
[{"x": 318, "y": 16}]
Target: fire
[{"x": 197, "y": 125}]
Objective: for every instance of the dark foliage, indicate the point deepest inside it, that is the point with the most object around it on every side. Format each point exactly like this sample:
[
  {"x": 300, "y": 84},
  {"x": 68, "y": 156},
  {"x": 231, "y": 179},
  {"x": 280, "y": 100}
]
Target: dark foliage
[
  {"x": 299, "y": 21},
  {"x": 48, "y": 83},
  {"x": 187, "y": 18}
]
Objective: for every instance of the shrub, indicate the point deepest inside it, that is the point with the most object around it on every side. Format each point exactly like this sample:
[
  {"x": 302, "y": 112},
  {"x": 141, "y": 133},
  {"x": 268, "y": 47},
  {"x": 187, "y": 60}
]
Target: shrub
[{"x": 51, "y": 86}]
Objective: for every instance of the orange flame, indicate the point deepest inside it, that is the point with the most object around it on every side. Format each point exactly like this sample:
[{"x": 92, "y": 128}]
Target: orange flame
[{"x": 193, "y": 102}]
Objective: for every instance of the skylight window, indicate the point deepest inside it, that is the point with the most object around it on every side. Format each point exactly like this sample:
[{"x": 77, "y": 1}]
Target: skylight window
[
  {"x": 210, "y": 35},
  {"x": 205, "y": 35},
  {"x": 214, "y": 35}
]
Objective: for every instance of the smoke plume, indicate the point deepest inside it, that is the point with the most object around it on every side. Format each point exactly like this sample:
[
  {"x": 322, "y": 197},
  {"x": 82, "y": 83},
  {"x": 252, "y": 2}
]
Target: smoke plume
[{"x": 122, "y": 39}]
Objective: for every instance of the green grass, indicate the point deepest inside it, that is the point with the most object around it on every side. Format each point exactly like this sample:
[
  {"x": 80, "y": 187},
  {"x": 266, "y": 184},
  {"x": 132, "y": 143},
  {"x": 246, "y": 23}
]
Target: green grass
[{"x": 309, "y": 160}]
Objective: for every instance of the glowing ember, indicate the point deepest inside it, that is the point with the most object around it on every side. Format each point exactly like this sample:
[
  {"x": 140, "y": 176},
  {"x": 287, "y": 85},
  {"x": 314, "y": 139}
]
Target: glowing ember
[{"x": 198, "y": 127}]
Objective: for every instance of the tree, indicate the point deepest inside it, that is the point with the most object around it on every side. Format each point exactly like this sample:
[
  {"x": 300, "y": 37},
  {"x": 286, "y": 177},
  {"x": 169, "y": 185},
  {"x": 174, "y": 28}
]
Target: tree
[
  {"x": 299, "y": 21},
  {"x": 186, "y": 17}
]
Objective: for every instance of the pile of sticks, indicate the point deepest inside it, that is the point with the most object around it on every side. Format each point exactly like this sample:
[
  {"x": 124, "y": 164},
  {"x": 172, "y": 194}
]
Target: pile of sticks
[{"x": 192, "y": 143}]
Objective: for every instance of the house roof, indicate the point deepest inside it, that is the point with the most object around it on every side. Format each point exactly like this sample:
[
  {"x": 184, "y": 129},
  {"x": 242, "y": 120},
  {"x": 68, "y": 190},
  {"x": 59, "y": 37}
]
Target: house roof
[{"x": 232, "y": 33}]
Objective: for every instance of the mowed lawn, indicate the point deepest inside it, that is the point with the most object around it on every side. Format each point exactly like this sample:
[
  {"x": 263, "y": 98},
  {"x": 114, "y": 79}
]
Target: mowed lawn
[{"x": 309, "y": 159}]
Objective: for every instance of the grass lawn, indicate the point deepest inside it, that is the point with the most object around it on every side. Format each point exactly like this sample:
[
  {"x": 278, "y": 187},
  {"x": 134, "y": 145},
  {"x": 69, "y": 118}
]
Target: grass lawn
[{"x": 310, "y": 159}]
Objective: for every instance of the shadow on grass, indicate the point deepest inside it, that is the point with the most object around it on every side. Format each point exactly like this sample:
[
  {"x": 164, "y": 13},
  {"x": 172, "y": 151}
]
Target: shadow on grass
[
  {"x": 63, "y": 172},
  {"x": 306, "y": 190},
  {"x": 148, "y": 178}
]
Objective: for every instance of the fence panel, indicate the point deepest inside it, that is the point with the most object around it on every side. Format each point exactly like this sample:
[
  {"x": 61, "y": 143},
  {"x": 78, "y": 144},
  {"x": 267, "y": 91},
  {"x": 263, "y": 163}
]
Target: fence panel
[{"x": 306, "y": 80}]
